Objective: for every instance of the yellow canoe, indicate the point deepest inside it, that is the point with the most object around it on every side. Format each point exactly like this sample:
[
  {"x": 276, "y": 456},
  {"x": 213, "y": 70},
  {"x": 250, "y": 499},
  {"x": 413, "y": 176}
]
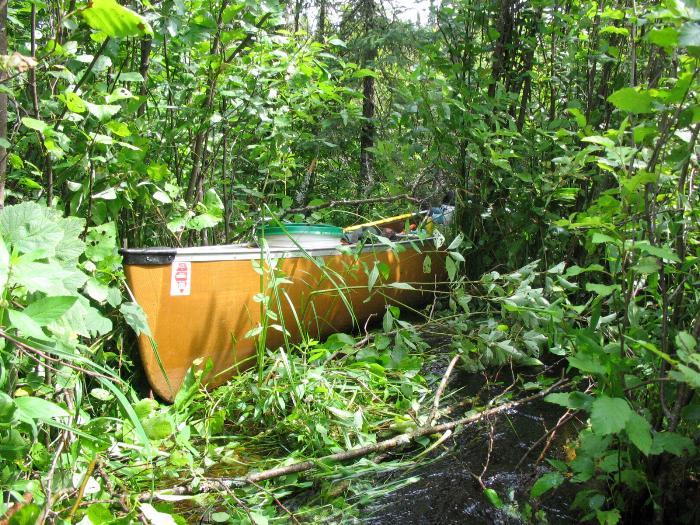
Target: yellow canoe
[{"x": 207, "y": 303}]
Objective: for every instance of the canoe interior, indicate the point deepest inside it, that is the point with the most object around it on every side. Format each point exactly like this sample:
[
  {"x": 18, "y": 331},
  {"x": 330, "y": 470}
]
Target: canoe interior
[{"x": 222, "y": 303}]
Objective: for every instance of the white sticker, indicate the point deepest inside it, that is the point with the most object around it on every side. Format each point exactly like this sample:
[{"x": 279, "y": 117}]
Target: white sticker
[{"x": 180, "y": 278}]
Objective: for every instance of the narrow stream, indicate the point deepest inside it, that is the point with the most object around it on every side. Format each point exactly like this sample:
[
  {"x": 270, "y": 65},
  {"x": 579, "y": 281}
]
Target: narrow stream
[{"x": 447, "y": 491}]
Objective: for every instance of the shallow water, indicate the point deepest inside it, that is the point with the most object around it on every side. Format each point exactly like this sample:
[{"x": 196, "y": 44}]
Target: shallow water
[{"x": 447, "y": 492}]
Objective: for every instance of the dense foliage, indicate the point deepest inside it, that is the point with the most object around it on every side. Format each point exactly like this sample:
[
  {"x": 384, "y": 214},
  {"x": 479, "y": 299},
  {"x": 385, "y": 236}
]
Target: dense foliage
[{"x": 567, "y": 129}]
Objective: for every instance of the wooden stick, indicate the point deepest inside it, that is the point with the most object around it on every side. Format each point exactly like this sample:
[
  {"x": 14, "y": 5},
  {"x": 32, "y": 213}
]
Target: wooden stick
[
  {"x": 224, "y": 484},
  {"x": 441, "y": 389}
]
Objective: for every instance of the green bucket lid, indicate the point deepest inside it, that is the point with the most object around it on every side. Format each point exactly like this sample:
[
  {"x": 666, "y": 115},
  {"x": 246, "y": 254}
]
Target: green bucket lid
[{"x": 293, "y": 228}]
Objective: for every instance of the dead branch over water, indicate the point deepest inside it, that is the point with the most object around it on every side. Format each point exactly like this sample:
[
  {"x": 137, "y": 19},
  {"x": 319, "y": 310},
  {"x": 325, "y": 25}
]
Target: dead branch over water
[{"x": 224, "y": 484}]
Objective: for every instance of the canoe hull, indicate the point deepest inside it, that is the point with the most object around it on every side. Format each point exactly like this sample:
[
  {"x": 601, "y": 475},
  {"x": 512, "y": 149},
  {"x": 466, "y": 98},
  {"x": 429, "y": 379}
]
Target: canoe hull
[{"x": 209, "y": 307}]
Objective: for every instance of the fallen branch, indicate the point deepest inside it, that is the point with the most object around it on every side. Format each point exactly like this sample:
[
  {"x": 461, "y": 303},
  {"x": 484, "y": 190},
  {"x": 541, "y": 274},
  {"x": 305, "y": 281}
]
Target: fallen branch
[
  {"x": 352, "y": 202},
  {"x": 441, "y": 389},
  {"x": 225, "y": 484}
]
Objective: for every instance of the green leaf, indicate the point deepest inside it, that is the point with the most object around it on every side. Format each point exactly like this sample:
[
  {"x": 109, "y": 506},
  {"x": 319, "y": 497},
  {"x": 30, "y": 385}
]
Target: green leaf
[
  {"x": 451, "y": 268},
  {"x": 545, "y": 483},
  {"x": 74, "y": 103},
  {"x": 673, "y": 443},
  {"x": 36, "y": 125},
  {"x": 685, "y": 341},
  {"x": 4, "y": 263},
  {"x": 608, "y": 517},
  {"x": 29, "y": 227},
  {"x": 666, "y": 37},
  {"x": 609, "y": 415},
  {"x": 574, "y": 400},
  {"x": 493, "y": 498},
  {"x": 455, "y": 242},
  {"x": 639, "y": 431},
  {"x": 136, "y": 318},
  {"x": 361, "y": 73},
  {"x": 402, "y": 286},
  {"x": 372, "y": 278},
  {"x": 690, "y": 35},
  {"x": 158, "y": 427},
  {"x": 26, "y": 325},
  {"x": 26, "y": 515},
  {"x": 427, "y": 264},
  {"x": 602, "y": 289},
  {"x": 156, "y": 517},
  {"x": 114, "y": 20},
  {"x": 38, "y": 408},
  {"x": 686, "y": 374},
  {"x": 662, "y": 252},
  {"x": 103, "y": 112},
  {"x": 601, "y": 141},
  {"x": 632, "y": 101},
  {"x": 49, "y": 309}
]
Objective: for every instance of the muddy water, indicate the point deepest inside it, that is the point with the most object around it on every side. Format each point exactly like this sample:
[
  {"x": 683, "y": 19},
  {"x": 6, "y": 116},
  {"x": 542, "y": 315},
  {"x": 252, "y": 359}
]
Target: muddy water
[{"x": 447, "y": 492}]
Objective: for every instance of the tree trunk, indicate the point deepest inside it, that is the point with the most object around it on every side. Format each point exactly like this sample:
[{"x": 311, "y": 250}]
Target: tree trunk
[
  {"x": 3, "y": 103},
  {"x": 321, "y": 27},
  {"x": 367, "y": 132},
  {"x": 504, "y": 26},
  {"x": 297, "y": 14},
  {"x": 146, "y": 44}
]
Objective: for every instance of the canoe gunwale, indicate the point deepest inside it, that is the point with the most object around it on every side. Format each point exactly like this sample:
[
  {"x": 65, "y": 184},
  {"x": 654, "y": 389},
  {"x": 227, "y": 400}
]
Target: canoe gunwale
[{"x": 242, "y": 252}]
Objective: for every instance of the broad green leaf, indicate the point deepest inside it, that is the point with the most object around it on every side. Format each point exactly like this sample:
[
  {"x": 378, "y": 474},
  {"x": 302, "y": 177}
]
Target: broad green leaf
[
  {"x": 574, "y": 400},
  {"x": 361, "y": 73},
  {"x": 493, "y": 498},
  {"x": 49, "y": 309},
  {"x": 4, "y": 263},
  {"x": 455, "y": 242},
  {"x": 639, "y": 431},
  {"x": 158, "y": 427},
  {"x": 25, "y": 325},
  {"x": 26, "y": 515},
  {"x": 608, "y": 517},
  {"x": 632, "y": 101},
  {"x": 609, "y": 415},
  {"x": 601, "y": 141},
  {"x": 451, "y": 268},
  {"x": 102, "y": 112},
  {"x": 427, "y": 264},
  {"x": 36, "y": 125},
  {"x": 689, "y": 35},
  {"x": 685, "y": 341},
  {"x": 204, "y": 220},
  {"x": 30, "y": 227},
  {"x": 372, "y": 278},
  {"x": 662, "y": 252},
  {"x": 666, "y": 37},
  {"x": 74, "y": 103},
  {"x": 156, "y": 517},
  {"x": 135, "y": 318},
  {"x": 129, "y": 76},
  {"x": 115, "y": 20},
  {"x": 673, "y": 443},
  {"x": 545, "y": 483},
  {"x": 38, "y": 408},
  {"x": 602, "y": 289},
  {"x": 686, "y": 374}
]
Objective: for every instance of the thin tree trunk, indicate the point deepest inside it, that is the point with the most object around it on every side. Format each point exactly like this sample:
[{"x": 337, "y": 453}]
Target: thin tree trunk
[
  {"x": 504, "y": 26},
  {"x": 3, "y": 104},
  {"x": 367, "y": 132},
  {"x": 297, "y": 14},
  {"x": 146, "y": 44},
  {"x": 306, "y": 186},
  {"x": 321, "y": 27}
]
